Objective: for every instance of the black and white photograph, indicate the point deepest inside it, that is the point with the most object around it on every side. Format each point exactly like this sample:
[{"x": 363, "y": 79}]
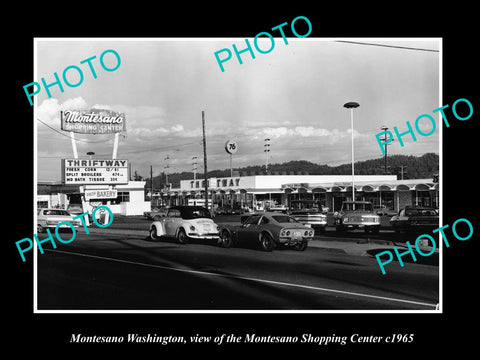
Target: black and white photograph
[
  {"x": 194, "y": 181},
  {"x": 311, "y": 173}
]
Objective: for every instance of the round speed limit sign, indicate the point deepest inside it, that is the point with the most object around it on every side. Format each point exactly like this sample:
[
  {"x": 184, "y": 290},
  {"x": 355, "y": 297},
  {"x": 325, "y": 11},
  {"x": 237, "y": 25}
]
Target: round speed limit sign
[{"x": 231, "y": 146}]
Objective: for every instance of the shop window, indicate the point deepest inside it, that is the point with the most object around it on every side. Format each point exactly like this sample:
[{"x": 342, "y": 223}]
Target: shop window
[
  {"x": 123, "y": 196},
  {"x": 423, "y": 198},
  {"x": 42, "y": 204}
]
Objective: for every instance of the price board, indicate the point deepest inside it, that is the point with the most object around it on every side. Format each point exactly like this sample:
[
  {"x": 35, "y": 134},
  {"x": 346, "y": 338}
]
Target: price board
[{"x": 95, "y": 171}]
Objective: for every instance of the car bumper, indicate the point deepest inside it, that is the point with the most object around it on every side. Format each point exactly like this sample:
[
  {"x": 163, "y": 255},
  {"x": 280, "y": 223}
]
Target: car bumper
[
  {"x": 63, "y": 226},
  {"x": 293, "y": 241},
  {"x": 204, "y": 236},
  {"x": 360, "y": 225},
  {"x": 314, "y": 224}
]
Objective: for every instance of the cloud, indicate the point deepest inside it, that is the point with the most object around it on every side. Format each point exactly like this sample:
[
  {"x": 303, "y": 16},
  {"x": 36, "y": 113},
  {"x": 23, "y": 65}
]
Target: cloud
[
  {"x": 49, "y": 110},
  {"x": 332, "y": 136}
]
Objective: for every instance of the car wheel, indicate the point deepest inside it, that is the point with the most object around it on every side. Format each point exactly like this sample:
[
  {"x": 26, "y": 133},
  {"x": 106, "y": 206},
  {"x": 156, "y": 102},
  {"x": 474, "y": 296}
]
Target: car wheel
[
  {"x": 266, "y": 242},
  {"x": 367, "y": 229},
  {"x": 182, "y": 237},
  {"x": 153, "y": 234},
  {"x": 301, "y": 247},
  {"x": 40, "y": 229},
  {"x": 226, "y": 239}
]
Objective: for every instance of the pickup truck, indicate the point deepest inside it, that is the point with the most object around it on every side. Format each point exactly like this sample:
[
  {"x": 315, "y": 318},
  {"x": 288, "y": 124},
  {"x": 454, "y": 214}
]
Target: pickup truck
[{"x": 357, "y": 215}]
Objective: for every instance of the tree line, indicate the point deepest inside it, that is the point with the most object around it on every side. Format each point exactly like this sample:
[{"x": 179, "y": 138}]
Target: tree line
[{"x": 404, "y": 166}]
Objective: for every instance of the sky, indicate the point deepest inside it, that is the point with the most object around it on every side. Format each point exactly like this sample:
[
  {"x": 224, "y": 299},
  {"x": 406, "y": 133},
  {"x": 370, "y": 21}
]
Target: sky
[{"x": 293, "y": 95}]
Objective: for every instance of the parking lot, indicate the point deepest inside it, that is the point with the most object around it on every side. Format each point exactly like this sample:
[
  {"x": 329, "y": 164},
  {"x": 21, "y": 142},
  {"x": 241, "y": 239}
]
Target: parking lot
[{"x": 121, "y": 268}]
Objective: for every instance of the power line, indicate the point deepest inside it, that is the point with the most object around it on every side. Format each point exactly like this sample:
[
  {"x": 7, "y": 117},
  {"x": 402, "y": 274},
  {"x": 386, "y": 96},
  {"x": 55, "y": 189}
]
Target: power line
[
  {"x": 159, "y": 148},
  {"x": 389, "y": 46},
  {"x": 68, "y": 136}
]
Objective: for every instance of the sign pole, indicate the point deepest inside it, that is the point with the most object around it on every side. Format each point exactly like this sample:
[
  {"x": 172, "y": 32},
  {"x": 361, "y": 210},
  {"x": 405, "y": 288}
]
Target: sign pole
[
  {"x": 205, "y": 159},
  {"x": 112, "y": 187},
  {"x": 115, "y": 146},
  {"x": 81, "y": 188}
]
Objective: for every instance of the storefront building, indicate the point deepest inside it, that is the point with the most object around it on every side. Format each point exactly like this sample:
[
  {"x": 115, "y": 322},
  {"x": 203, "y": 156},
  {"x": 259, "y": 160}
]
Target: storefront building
[
  {"x": 129, "y": 199},
  {"x": 262, "y": 191}
]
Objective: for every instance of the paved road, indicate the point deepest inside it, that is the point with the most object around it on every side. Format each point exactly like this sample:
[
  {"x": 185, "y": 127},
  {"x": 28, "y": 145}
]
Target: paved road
[{"x": 115, "y": 269}]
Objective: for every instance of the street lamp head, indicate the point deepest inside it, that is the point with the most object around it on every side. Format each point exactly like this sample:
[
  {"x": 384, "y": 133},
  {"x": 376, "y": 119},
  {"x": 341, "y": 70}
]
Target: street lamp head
[{"x": 351, "y": 104}]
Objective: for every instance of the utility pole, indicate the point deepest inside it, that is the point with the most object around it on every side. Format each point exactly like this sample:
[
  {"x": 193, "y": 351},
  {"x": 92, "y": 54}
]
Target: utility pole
[
  {"x": 384, "y": 128},
  {"x": 151, "y": 183},
  {"x": 166, "y": 167},
  {"x": 402, "y": 172},
  {"x": 205, "y": 159}
]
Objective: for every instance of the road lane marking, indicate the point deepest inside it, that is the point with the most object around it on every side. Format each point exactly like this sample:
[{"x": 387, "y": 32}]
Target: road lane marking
[{"x": 377, "y": 297}]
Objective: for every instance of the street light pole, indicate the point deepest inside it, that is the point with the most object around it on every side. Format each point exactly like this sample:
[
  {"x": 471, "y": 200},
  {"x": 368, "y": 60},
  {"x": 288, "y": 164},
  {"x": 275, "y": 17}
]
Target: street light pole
[
  {"x": 352, "y": 105},
  {"x": 266, "y": 149}
]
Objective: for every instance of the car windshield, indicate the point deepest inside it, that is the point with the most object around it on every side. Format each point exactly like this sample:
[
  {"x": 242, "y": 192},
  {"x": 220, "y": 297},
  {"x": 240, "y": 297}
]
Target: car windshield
[
  {"x": 420, "y": 212},
  {"x": 284, "y": 219},
  {"x": 357, "y": 207},
  {"x": 195, "y": 213},
  {"x": 56, "y": 212}
]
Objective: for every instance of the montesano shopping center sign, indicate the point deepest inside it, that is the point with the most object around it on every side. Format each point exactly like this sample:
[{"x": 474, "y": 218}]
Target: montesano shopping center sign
[
  {"x": 95, "y": 171},
  {"x": 93, "y": 121}
]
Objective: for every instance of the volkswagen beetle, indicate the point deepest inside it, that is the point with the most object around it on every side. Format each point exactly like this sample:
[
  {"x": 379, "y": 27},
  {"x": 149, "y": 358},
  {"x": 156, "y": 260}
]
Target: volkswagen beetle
[{"x": 184, "y": 223}]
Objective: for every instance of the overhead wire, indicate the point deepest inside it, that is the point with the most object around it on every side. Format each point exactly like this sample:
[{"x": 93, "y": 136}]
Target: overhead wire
[
  {"x": 385, "y": 45},
  {"x": 68, "y": 136}
]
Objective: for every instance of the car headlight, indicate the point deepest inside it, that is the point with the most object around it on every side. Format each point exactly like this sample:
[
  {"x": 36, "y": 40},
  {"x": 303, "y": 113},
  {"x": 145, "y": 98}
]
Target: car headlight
[
  {"x": 345, "y": 219},
  {"x": 287, "y": 233},
  {"x": 192, "y": 228},
  {"x": 218, "y": 228}
]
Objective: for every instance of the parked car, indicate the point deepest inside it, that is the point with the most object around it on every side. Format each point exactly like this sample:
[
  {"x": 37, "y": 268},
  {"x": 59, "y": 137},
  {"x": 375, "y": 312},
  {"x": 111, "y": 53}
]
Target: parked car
[
  {"x": 50, "y": 218},
  {"x": 184, "y": 223},
  {"x": 383, "y": 210},
  {"x": 310, "y": 213},
  {"x": 357, "y": 215},
  {"x": 156, "y": 213},
  {"x": 268, "y": 230},
  {"x": 415, "y": 219},
  {"x": 278, "y": 208},
  {"x": 228, "y": 210}
]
